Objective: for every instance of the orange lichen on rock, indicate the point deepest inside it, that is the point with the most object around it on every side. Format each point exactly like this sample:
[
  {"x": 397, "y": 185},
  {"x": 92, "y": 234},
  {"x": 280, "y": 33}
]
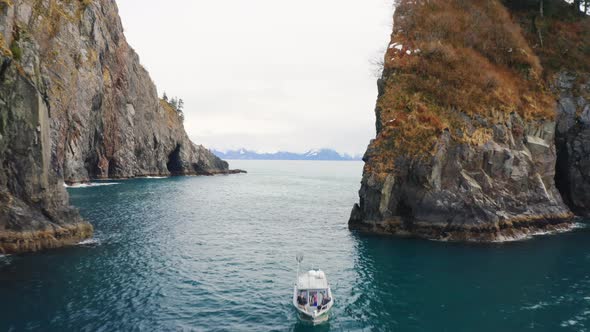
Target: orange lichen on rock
[{"x": 450, "y": 59}]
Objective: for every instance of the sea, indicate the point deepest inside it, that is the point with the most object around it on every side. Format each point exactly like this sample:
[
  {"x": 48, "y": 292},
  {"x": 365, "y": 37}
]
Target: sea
[{"x": 218, "y": 254}]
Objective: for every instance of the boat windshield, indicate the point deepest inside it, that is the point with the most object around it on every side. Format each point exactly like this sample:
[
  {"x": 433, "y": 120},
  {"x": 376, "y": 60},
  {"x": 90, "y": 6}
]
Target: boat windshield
[{"x": 313, "y": 298}]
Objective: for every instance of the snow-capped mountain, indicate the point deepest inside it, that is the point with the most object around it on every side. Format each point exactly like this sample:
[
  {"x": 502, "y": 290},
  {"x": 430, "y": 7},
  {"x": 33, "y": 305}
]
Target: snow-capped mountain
[{"x": 315, "y": 154}]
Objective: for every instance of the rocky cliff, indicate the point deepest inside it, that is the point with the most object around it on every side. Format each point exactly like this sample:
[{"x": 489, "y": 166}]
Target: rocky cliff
[
  {"x": 573, "y": 140},
  {"x": 466, "y": 124},
  {"x": 75, "y": 105}
]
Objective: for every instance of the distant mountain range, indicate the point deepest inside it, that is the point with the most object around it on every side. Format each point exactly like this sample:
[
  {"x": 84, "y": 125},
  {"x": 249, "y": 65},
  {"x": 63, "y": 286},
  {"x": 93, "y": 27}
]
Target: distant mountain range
[{"x": 321, "y": 154}]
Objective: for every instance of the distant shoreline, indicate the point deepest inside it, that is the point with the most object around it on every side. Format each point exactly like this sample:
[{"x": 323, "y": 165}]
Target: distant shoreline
[
  {"x": 339, "y": 160},
  {"x": 317, "y": 155}
]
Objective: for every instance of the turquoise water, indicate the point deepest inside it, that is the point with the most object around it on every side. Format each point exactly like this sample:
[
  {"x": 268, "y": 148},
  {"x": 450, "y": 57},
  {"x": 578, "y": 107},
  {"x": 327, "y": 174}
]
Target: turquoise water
[{"x": 218, "y": 254}]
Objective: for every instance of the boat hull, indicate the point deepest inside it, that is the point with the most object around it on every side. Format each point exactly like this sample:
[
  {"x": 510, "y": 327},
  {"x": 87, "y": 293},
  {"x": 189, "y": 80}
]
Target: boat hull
[{"x": 314, "y": 320}]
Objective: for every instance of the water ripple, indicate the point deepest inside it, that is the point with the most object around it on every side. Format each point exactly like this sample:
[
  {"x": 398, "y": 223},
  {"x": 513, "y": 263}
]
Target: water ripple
[{"x": 217, "y": 253}]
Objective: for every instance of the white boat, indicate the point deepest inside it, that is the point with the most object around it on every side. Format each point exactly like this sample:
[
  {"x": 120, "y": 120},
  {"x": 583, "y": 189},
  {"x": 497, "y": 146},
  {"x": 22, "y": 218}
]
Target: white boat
[{"x": 312, "y": 295}]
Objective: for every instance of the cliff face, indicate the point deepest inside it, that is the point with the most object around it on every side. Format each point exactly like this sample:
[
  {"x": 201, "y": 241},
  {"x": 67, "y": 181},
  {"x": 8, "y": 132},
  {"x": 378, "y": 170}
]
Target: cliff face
[
  {"x": 562, "y": 43},
  {"x": 466, "y": 124},
  {"x": 573, "y": 140},
  {"x": 76, "y": 105}
]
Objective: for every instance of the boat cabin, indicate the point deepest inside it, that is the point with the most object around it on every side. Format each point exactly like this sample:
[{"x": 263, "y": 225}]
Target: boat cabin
[{"x": 313, "y": 290}]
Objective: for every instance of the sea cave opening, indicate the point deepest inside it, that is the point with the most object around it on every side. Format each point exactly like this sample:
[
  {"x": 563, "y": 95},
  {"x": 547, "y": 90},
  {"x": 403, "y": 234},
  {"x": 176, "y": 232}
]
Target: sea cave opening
[{"x": 174, "y": 164}]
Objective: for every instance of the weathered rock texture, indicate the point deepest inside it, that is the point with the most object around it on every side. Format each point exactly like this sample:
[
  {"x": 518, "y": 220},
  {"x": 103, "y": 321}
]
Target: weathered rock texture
[
  {"x": 573, "y": 141},
  {"x": 75, "y": 105},
  {"x": 465, "y": 147},
  {"x": 561, "y": 40}
]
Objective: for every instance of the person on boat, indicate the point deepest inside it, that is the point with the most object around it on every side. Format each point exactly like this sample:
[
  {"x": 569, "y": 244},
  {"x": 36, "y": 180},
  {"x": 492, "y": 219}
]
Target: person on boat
[
  {"x": 301, "y": 299},
  {"x": 325, "y": 302}
]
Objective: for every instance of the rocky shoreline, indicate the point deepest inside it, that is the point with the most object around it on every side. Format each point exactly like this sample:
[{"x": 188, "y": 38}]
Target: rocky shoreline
[
  {"x": 157, "y": 175},
  {"x": 55, "y": 237},
  {"x": 508, "y": 231}
]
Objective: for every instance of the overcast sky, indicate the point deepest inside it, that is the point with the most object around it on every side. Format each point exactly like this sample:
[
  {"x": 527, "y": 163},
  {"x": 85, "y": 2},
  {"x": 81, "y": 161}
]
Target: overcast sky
[{"x": 266, "y": 75}]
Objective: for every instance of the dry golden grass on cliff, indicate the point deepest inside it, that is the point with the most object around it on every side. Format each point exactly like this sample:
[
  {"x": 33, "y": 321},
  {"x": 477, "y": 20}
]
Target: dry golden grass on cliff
[
  {"x": 171, "y": 114},
  {"x": 565, "y": 38},
  {"x": 451, "y": 58}
]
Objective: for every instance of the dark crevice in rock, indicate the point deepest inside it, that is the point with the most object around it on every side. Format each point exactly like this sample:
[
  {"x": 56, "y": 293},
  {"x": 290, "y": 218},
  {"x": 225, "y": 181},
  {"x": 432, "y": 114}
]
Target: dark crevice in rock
[
  {"x": 47, "y": 214},
  {"x": 572, "y": 137},
  {"x": 175, "y": 165},
  {"x": 113, "y": 169},
  {"x": 91, "y": 164},
  {"x": 97, "y": 102},
  {"x": 405, "y": 212},
  {"x": 562, "y": 171},
  {"x": 199, "y": 170},
  {"x": 5, "y": 64},
  {"x": 155, "y": 139}
]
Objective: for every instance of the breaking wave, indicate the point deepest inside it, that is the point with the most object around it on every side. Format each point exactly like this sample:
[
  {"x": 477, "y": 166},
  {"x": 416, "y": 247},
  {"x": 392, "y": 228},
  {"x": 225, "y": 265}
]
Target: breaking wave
[
  {"x": 89, "y": 242},
  {"x": 88, "y": 185}
]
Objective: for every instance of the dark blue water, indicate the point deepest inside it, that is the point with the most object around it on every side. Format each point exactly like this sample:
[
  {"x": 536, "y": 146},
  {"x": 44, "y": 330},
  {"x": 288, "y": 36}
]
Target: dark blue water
[{"x": 218, "y": 253}]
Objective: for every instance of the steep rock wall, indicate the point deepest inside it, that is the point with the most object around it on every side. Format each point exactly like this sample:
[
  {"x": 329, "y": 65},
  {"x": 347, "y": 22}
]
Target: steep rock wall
[
  {"x": 465, "y": 147},
  {"x": 106, "y": 118},
  {"x": 34, "y": 209},
  {"x": 573, "y": 141},
  {"x": 76, "y": 105},
  {"x": 561, "y": 40}
]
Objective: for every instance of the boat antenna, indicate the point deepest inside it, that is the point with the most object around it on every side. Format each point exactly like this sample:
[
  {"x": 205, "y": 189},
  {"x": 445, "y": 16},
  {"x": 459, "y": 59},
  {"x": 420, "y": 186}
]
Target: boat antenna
[{"x": 299, "y": 259}]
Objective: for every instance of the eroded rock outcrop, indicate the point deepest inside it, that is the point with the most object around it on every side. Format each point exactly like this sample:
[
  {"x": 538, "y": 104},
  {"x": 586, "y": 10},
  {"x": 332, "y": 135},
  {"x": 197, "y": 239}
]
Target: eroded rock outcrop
[
  {"x": 561, "y": 40},
  {"x": 76, "y": 105},
  {"x": 34, "y": 209},
  {"x": 573, "y": 140},
  {"x": 465, "y": 147}
]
